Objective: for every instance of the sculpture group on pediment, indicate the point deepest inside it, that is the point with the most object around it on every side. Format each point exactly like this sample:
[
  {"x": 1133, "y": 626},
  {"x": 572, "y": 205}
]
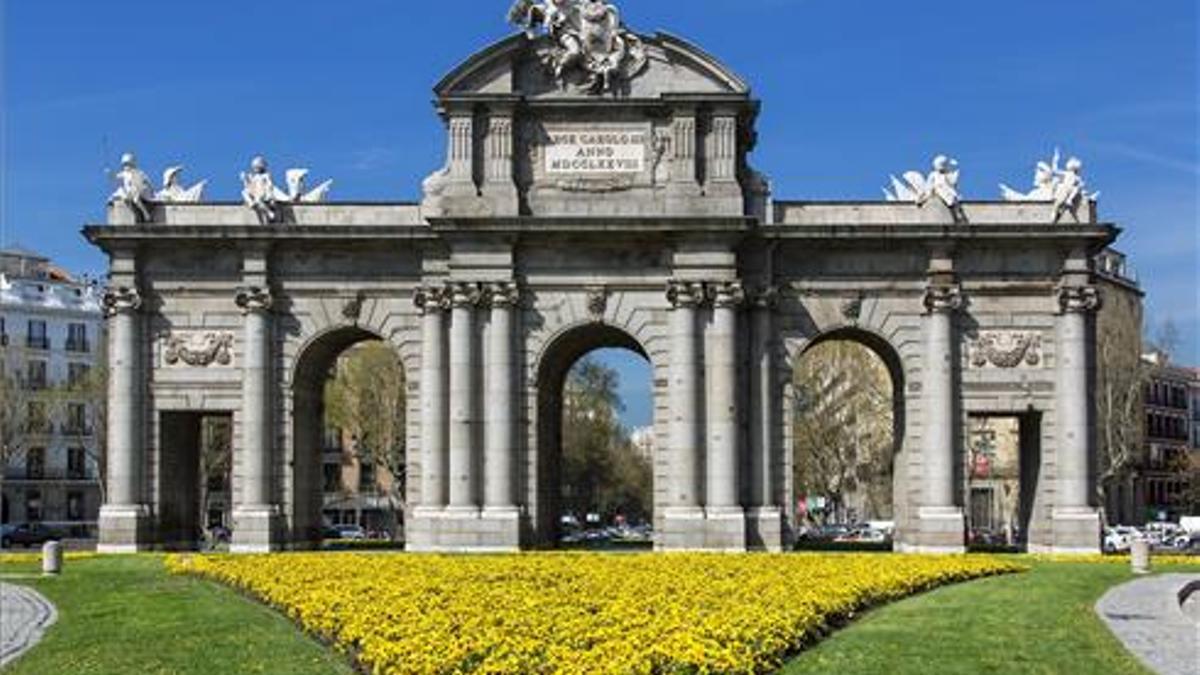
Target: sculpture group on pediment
[
  {"x": 1065, "y": 187},
  {"x": 583, "y": 43},
  {"x": 135, "y": 190},
  {"x": 261, "y": 195},
  {"x": 919, "y": 189}
]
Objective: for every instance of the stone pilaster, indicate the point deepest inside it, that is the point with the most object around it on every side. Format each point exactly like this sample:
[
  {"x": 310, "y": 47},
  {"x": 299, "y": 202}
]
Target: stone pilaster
[
  {"x": 255, "y": 516},
  {"x": 433, "y": 303},
  {"x": 499, "y": 459},
  {"x": 764, "y": 517},
  {"x": 684, "y": 181},
  {"x": 1075, "y": 523},
  {"x": 683, "y": 516},
  {"x": 464, "y": 298},
  {"x": 499, "y": 186},
  {"x": 124, "y": 519},
  {"x": 461, "y": 151},
  {"x": 726, "y": 519},
  {"x": 940, "y": 520}
]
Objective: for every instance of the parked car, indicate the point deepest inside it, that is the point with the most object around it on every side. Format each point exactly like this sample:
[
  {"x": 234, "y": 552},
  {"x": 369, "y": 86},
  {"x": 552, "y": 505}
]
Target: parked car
[
  {"x": 29, "y": 535},
  {"x": 1119, "y": 539},
  {"x": 354, "y": 532}
]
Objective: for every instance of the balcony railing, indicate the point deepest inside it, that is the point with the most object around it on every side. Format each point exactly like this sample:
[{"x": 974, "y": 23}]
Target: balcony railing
[
  {"x": 80, "y": 345},
  {"x": 36, "y": 342},
  {"x": 20, "y": 473}
]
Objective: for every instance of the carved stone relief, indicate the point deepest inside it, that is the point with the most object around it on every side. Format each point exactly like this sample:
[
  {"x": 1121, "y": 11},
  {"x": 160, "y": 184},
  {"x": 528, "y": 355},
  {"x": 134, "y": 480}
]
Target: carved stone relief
[
  {"x": 198, "y": 349},
  {"x": 1006, "y": 349}
]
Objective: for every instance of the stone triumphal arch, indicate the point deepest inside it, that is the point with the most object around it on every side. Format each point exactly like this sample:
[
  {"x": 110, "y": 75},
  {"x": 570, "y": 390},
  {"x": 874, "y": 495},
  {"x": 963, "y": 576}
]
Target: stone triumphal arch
[{"x": 597, "y": 191}]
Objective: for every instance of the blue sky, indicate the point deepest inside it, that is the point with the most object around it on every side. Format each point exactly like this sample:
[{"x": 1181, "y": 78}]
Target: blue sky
[{"x": 852, "y": 91}]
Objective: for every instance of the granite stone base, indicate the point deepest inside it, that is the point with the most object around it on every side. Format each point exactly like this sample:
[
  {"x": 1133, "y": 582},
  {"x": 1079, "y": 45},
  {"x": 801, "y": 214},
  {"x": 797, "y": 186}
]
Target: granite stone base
[
  {"x": 938, "y": 530},
  {"x": 683, "y": 530},
  {"x": 725, "y": 530},
  {"x": 1072, "y": 532},
  {"x": 470, "y": 530},
  {"x": 257, "y": 530},
  {"x": 124, "y": 529},
  {"x": 764, "y": 529}
]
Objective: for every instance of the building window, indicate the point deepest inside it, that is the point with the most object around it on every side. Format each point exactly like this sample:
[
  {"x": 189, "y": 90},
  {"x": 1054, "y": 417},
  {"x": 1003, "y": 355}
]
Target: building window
[
  {"x": 77, "y": 420},
  {"x": 3, "y": 333},
  {"x": 35, "y": 463},
  {"x": 76, "y": 463},
  {"x": 36, "y": 419},
  {"x": 333, "y": 477},
  {"x": 36, "y": 375},
  {"x": 36, "y": 337},
  {"x": 74, "y": 506},
  {"x": 33, "y": 505},
  {"x": 77, "y": 374},
  {"x": 77, "y": 338},
  {"x": 331, "y": 439},
  {"x": 366, "y": 477}
]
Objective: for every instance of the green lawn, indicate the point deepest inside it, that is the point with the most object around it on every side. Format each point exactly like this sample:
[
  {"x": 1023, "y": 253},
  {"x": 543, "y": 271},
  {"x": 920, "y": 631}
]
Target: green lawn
[
  {"x": 126, "y": 615},
  {"x": 1039, "y": 622}
]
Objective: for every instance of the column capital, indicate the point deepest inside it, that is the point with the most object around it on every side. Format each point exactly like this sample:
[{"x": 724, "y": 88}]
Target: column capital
[
  {"x": 727, "y": 294},
  {"x": 121, "y": 300},
  {"x": 685, "y": 294},
  {"x": 944, "y": 299},
  {"x": 1078, "y": 299},
  {"x": 432, "y": 299},
  {"x": 254, "y": 299},
  {"x": 503, "y": 294},
  {"x": 464, "y": 294}
]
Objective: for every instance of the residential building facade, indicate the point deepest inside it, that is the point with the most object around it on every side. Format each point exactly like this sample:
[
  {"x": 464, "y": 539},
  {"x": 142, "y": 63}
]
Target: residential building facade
[
  {"x": 1169, "y": 414},
  {"x": 50, "y": 341}
]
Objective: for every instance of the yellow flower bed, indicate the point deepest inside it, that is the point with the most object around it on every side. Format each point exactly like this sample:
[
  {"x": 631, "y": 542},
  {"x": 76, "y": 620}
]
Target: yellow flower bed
[
  {"x": 1155, "y": 559},
  {"x": 577, "y": 613}
]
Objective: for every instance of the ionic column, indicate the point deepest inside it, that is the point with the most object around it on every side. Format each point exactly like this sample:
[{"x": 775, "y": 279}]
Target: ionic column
[
  {"x": 722, "y": 464},
  {"x": 433, "y": 303},
  {"x": 937, "y": 400},
  {"x": 462, "y": 395},
  {"x": 1073, "y": 401},
  {"x": 762, "y": 409},
  {"x": 124, "y": 398},
  {"x": 685, "y": 431},
  {"x": 255, "y": 304},
  {"x": 498, "y": 448}
]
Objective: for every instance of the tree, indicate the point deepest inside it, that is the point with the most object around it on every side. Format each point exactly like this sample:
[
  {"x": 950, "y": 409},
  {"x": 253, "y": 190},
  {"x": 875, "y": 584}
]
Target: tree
[
  {"x": 90, "y": 390},
  {"x": 1121, "y": 377},
  {"x": 602, "y": 471},
  {"x": 843, "y": 428},
  {"x": 365, "y": 399},
  {"x": 216, "y": 456},
  {"x": 15, "y": 397}
]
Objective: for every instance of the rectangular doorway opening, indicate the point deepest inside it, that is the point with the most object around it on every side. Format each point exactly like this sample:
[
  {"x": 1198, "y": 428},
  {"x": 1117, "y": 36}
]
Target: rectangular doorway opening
[
  {"x": 195, "y": 467},
  {"x": 1003, "y": 459}
]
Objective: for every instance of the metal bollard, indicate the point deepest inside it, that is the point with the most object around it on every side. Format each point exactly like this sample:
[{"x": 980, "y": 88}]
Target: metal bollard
[
  {"x": 52, "y": 558},
  {"x": 1139, "y": 556}
]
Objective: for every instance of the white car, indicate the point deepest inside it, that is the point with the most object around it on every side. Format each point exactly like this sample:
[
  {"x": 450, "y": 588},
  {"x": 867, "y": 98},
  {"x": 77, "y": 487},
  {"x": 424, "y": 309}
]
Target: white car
[
  {"x": 353, "y": 532},
  {"x": 1118, "y": 539}
]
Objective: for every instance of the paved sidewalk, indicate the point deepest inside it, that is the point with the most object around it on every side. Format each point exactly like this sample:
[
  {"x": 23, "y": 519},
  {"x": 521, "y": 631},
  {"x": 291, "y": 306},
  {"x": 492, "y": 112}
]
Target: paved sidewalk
[
  {"x": 24, "y": 616},
  {"x": 1146, "y": 616}
]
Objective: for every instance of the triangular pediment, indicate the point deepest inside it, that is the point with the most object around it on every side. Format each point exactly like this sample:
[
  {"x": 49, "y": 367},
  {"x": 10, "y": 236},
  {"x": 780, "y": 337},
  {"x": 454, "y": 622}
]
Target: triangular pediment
[{"x": 514, "y": 67}]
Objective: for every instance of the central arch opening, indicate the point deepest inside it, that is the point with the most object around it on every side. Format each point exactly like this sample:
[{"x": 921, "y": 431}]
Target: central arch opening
[
  {"x": 596, "y": 441},
  {"x": 349, "y": 441},
  {"x": 847, "y": 427}
]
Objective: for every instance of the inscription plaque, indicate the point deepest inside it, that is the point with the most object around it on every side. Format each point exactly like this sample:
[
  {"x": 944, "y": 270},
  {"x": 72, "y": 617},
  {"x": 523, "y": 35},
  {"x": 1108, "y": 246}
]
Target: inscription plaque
[{"x": 609, "y": 151}]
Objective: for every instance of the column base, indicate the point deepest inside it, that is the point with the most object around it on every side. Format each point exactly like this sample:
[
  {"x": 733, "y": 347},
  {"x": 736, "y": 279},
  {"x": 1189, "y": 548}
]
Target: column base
[
  {"x": 725, "y": 529},
  {"x": 764, "y": 529},
  {"x": 683, "y": 529},
  {"x": 256, "y": 529},
  {"x": 939, "y": 529},
  {"x": 1072, "y": 532},
  {"x": 464, "y": 530},
  {"x": 124, "y": 529}
]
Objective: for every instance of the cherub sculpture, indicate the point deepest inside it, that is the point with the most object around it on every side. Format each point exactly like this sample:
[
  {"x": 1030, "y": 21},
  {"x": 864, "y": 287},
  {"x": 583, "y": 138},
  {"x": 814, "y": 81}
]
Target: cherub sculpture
[
  {"x": 259, "y": 192},
  {"x": 1066, "y": 188},
  {"x": 942, "y": 183},
  {"x": 173, "y": 192},
  {"x": 133, "y": 188}
]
